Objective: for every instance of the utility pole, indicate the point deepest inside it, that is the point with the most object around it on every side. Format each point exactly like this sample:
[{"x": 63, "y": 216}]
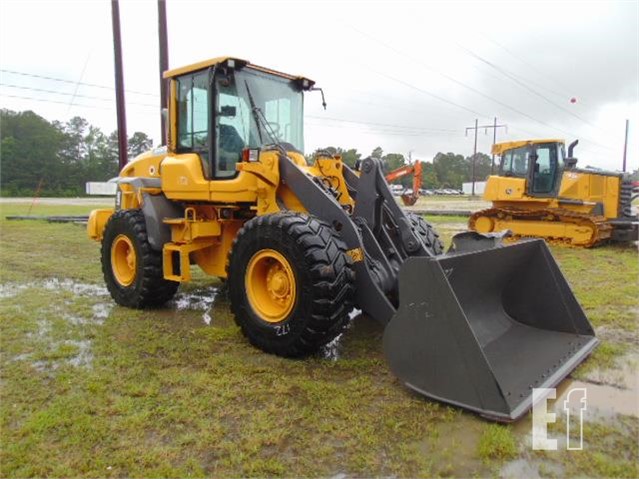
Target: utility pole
[
  {"x": 475, "y": 128},
  {"x": 474, "y": 158},
  {"x": 164, "y": 65},
  {"x": 625, "y": 145},
  {"x": 119, "y": 85}
]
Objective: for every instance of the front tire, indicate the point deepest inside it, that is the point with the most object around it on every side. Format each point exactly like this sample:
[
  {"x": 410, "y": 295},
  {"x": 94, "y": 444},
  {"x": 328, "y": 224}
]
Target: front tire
[
  {"x": 290, "y": 283},
  {"x": 132, "y": 269}
]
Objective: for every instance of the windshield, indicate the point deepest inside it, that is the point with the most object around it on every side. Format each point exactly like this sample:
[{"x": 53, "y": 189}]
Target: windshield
[{"x": 238, "y": 127}]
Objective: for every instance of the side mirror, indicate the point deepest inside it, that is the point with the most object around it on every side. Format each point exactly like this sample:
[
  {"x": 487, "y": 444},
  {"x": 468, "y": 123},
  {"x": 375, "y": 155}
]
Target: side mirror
[{"x": 228, "y": 111}]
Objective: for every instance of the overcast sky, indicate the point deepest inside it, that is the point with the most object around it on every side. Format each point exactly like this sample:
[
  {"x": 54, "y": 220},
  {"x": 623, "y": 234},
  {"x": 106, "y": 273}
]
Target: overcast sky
[{"x": 408, "y": 77}]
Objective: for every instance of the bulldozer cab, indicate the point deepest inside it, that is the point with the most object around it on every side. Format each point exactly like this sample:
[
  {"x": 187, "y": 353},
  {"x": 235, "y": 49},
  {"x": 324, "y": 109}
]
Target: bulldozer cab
[
  {"x": 214, "y": 112},
  {"x": 541, "y": 163}
]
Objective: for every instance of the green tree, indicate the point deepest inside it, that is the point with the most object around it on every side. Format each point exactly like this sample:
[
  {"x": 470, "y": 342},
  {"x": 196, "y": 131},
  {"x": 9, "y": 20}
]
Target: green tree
[
  {"x": 348, "y": 156},
  {"x": 429, "y": 177},
  {"x": 139, "y": 143},
  {"x": 377, "y": 153},
  {"x": 482, "y": 166},
  {"x": 451, "y": 169},
  {"x": 28, "y": 148},
  {"x": 392, "y": 161}
]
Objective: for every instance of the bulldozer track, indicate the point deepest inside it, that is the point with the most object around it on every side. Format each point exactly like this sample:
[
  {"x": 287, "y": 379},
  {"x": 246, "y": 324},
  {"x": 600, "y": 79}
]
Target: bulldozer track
[{"x": 601, "y": 229}]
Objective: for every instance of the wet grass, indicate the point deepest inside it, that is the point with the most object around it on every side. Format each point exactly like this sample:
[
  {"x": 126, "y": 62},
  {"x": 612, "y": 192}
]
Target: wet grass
[
  {"x": 91, "y": 389},
  {"x": 497, "y": 443}
]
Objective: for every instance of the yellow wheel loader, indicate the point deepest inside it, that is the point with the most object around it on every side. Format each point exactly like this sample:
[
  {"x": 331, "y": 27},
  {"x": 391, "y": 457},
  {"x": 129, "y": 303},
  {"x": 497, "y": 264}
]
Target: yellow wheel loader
[
  {"x": 301, "y": 245},
  {"x": 540, "y": 192}
]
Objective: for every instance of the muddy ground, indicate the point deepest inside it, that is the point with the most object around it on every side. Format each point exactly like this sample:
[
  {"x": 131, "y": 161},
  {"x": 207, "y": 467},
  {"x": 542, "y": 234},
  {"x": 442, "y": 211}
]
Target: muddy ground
[{"x": 92, "y": 389}]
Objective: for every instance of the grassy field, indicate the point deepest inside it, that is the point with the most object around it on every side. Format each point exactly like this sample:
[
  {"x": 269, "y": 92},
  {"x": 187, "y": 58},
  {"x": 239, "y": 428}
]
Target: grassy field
[{"x": 90, "y": 389}]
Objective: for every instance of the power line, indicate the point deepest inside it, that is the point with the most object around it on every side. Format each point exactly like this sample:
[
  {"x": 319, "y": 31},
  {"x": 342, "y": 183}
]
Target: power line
[
  {"x": 534, "y": 68},
  {"x": 464, "y": 85},
  {"x": 381, "y": 124},
  {"x": 521, "y": 83},
  {"x": 63, "y": 80},
  {"x": 54, "y": 92},
  {"x": 321, "y": 118},
  {"x": 378, "y": 130},
  {"x": 44, "y": 100}
]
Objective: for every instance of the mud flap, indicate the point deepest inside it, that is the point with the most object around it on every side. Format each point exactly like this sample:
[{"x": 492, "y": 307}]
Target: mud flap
[{"x": 481, "y": 329}]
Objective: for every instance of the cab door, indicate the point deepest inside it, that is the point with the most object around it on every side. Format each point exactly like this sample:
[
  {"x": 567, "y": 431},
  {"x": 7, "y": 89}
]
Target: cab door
[{"x": 546, "y": 167}]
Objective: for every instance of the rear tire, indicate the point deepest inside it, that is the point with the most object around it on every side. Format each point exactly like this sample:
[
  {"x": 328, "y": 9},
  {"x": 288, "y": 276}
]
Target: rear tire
[
  {"x": 301, "y": 259},
  {"x": 426, "y": 233},
  {"x": 139, "y": 283}
]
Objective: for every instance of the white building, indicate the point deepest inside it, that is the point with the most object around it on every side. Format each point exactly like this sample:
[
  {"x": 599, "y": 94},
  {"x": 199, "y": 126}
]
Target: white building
[{"x": 480, "y": 186}]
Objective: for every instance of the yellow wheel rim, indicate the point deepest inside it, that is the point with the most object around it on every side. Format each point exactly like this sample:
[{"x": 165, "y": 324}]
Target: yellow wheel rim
[
  {"x": 123, "y": 260},
  {"x": 270, "y": 285}
]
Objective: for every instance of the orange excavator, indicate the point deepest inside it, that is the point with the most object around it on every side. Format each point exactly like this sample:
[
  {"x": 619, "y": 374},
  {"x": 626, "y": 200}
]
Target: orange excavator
[{"x": 416, "y": 170}]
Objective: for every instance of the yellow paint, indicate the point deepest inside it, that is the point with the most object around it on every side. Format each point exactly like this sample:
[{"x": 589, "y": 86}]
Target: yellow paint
[
  {"x": 206, "y": 232},
  {"x": 183, "y": 178},
  {"x": 484, "y": 224},
  {"x": 173, "y": 116},
  {"x": 184, "y": 262},
  {"x": 500, "y": 148},
  {"x": 356, "y": 254},
  {"x": 239, "y": 63},
  {"x": 580, "y": 235},
  {"x": 200, "y": 66},
  {"x": 97, "y": 221},
  {"x": 332, "y": 169},
  {"x": 191, "y": 228},
  {"x": 504, "y": 188},
  {"x": 123, "y": 260},
  {"x": 594, "y": 188},
  {"x": 212, "y": 259},
  {"x": 264, "y": 177},
  {"x": 270, "y": 285}
]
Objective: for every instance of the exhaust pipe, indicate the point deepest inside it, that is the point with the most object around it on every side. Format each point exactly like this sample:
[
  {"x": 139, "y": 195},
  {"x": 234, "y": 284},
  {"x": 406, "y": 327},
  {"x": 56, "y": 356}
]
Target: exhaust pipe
[{"x": 571, "y": 161}]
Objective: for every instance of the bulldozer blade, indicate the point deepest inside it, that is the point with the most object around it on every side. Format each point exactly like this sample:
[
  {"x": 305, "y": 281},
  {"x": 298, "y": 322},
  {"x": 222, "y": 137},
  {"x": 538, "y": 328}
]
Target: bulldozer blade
[{"x": 481, "y": 329}]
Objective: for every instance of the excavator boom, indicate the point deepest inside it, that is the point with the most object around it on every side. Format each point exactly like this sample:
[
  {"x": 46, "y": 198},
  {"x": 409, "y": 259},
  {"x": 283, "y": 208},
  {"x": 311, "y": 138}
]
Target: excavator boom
[{"x": 414, "y": 169}]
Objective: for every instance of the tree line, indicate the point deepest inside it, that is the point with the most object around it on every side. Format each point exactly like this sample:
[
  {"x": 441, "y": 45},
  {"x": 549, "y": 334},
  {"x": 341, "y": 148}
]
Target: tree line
[
  {"x": 59, "y": 158},
  {"x": 446, "y": 170}
]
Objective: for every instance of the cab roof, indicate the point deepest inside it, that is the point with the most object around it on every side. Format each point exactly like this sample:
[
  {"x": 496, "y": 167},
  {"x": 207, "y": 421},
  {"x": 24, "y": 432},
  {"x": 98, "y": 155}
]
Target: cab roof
[
  {"x": 499, "y": 148},
  {"x": 239, "y": 63}
]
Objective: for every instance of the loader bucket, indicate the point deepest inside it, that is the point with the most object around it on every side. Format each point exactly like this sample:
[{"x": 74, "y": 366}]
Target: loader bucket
[{"x": 481, "y": 329}]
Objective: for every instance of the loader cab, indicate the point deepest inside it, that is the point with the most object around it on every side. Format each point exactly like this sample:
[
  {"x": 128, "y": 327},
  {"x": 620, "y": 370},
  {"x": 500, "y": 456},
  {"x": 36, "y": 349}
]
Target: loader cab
[
  {"x": 540, "y": 163},
  {"x": 221, "y": 109}
]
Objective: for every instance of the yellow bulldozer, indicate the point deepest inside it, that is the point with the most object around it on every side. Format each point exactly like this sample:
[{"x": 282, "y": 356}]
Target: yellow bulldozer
[
  {"x": 301, "y": 245},
  {"x": 540, "y": 192}
]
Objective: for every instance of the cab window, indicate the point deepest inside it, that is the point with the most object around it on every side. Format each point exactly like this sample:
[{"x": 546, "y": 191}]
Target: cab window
[
  {"x": 193, "y": 117},
  {"x": 515, "y": 162}
]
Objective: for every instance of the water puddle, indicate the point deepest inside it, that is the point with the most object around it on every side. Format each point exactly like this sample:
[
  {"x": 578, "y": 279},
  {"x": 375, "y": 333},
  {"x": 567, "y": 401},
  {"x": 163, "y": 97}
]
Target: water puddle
[
  {"x": 80, "y": 289},
  {"x": 55, "y": 350},
  {"x": 9, "y": 290},
  {"x": 530, "y": 469},
  {"x": 608, "y": 392},
  {"x": 332, "y": 350},
  {"x": 199, "y": 300}
]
